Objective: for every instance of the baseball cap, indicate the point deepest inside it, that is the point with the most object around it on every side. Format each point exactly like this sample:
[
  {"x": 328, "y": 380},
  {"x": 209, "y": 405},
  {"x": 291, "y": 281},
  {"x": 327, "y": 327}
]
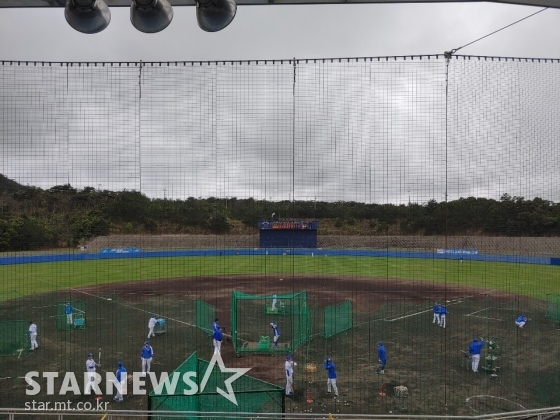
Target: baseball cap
[
  {"x": 119, "y": 364},
  {"x": 146, "y": 342},
  {"x": 89, "y": 355},
  {"x": 475, "y": 340},
  {"x": 288, "y": 357},
  {"x": 379, "y": 343},
  {"x": 329, "y": 359}
]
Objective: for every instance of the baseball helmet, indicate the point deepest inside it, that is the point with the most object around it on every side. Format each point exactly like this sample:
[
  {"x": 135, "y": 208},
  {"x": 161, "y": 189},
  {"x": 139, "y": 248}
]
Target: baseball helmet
[
  {"x": 289, "y": 357},
  {"x": 146, "y": 342},
  {"x": 475, "y": 340},
  {"x": 89, "y": 355},
  {"x": 379, "y": 343},
  {"x": 329, "y": 359},
  {"x": 119, "y": 364}
]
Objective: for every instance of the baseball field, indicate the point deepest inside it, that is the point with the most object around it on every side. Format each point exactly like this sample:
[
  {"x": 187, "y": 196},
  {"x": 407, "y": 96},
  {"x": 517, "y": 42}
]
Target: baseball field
[{"x": 392, "y": 302}]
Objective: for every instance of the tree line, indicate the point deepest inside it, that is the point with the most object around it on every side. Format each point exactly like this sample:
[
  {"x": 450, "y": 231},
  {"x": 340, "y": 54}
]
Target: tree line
[{"x": 62, "y": 216}]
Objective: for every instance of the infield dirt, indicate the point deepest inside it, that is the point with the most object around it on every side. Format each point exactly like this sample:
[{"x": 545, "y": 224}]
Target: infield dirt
[{"x": 422, "y": 356}]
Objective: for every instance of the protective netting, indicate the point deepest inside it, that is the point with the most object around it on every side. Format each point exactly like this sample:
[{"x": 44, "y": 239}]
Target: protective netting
[
  {"x": 205, "y": 315},
  {"x": 337, "y": 318},
  {"x": 136, "y": 188},
  {"x": 553, "y": 306}
]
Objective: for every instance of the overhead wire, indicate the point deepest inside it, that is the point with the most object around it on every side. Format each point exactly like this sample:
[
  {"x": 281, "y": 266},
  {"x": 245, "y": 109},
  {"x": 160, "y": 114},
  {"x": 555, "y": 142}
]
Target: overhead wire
[{"x": 453, "y": 51}]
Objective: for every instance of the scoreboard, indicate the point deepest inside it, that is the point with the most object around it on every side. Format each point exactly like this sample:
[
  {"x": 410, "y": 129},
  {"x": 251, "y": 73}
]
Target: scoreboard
[{"x": 288, "y": 234}]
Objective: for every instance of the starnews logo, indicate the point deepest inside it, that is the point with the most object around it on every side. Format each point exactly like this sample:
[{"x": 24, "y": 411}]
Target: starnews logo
[{"x": 91, "y": 381}]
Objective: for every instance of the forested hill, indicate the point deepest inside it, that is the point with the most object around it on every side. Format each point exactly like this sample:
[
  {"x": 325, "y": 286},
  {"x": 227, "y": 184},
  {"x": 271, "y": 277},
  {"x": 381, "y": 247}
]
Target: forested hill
[
  {"x": 7, "y": 184},
  {"x": 62, "y": 216}
]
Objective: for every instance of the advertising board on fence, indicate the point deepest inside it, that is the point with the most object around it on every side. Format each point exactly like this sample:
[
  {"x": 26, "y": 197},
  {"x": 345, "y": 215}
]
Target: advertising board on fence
[{"x": 458, "y": 251}]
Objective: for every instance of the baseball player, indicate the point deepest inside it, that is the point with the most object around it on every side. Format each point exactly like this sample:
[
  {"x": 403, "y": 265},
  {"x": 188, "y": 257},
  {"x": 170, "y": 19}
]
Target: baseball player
[
  {"x": 33, "y": 335},
  {"x": 289, "y": 368},
  {"x": 474, "y": 350},
  {"x": 442, "y": 313},
  {"x": 436, "y": 313},
  {"x": 68, "y": 310},
  {"x": 146, "y": 354},
  {"x": 151, "y": 324},
  {"x": 90, "y": 368},
  {"x": 274, "y": 301},
  {"x": 120, "y": 383},
  {"x": 331, "y": 376},
  {"x": 275, "y": 333},
  {"x": 217, "y": 337},
  {"x": 521, "y": 320},
  {"x": 382, "y": 355}
]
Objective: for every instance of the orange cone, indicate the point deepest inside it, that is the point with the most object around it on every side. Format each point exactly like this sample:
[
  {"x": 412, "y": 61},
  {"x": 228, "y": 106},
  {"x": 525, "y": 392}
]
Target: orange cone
[{"x": 382, "y": 392}]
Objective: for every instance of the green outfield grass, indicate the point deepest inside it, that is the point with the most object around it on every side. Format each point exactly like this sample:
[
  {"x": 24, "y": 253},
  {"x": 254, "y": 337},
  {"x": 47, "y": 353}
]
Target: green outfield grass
[{"x": 525, "y": 279}]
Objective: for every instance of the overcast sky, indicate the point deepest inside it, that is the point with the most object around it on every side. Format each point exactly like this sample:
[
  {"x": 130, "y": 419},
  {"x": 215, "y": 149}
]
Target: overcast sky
[
  {"x": 301, "y": 31},
  {"x": 378, "y": 138}
]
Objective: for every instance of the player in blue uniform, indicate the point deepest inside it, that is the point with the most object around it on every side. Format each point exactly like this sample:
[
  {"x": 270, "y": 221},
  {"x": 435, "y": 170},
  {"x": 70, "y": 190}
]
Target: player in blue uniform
[
  {"x": 146, "y": 354},
  {"x": 331, "y": 376},
  {"x": 382, "y": 356},
  {"x": 474, "y": 350},
  {"x": 521, "y": 320},
  {"x": 217, "y": 337},
  {"x": 120, "y": 376},
  {"x": 442, "y": 315},
  {"x": 436, "y": 314},
  {"x": 275, "y": 333},
  {"x": 68, "y": 310}
]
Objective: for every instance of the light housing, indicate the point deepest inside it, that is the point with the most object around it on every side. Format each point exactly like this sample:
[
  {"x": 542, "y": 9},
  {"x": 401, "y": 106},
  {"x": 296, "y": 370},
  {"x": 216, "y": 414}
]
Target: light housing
[
  {"x": 215, "y": 15},
  {"x": 87, "y": 16},
  {"x": 151, "y": 16}
]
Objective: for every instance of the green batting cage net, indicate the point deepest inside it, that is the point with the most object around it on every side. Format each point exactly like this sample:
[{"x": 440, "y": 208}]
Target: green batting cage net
[
  {"x": 251, "y": 395},
  {"x": 253, "y": 318},
  {"x": 553, "y": 306},
  {"x": 70, "y": 315},
  {"x": 14, "y": 338},
  {"x": 337, "y": 318},
  {"x": 205, "y": 314}
]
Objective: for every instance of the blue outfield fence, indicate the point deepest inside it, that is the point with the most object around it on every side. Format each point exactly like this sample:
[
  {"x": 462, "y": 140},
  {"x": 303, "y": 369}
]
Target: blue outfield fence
[{"x": 315, "y": 252}]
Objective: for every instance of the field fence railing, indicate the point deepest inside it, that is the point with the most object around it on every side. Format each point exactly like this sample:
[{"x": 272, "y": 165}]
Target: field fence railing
[{"x": 20, "y": 413}]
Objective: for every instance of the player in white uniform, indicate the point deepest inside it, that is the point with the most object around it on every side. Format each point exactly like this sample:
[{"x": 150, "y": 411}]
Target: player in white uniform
[
  {"x": 289, "y": 368},
  {"x": 151, "y": 324},
  {"x": 33, "y": 335},
  {"x": 90, "y": 368},
  {"x": 274, "y": 301}
]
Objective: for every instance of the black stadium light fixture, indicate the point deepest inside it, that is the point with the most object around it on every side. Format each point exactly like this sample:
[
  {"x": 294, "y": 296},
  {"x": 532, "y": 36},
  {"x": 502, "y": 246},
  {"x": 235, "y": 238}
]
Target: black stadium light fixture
[
  {"x": 87, "y": 16},
  {"x": 215, "y": 15},
  {"x": 150, "y": 16}
]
